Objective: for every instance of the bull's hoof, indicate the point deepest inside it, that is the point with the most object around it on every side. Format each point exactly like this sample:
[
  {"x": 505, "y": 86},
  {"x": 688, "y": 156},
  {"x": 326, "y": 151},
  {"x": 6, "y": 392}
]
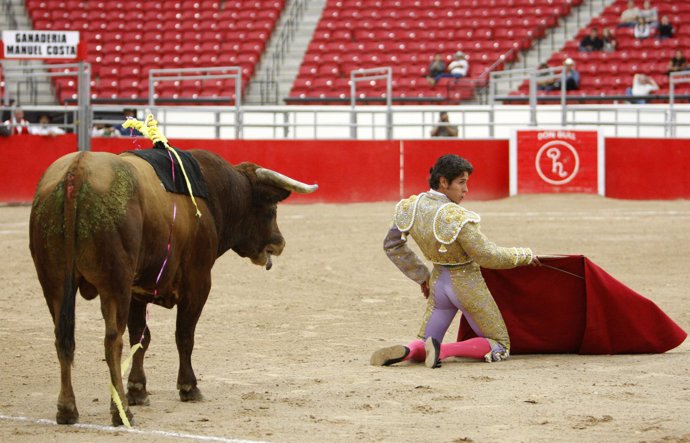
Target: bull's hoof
[
  {"x": 67, "y": 415},
  {"x": 137, "y": 397},
  {"x": 193, "y": 394},
  {"x": 117, "y": 420}
]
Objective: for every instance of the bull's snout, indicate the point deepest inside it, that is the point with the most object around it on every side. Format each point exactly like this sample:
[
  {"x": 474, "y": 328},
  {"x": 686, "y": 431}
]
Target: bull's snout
[{"x": 276, "y": 246}]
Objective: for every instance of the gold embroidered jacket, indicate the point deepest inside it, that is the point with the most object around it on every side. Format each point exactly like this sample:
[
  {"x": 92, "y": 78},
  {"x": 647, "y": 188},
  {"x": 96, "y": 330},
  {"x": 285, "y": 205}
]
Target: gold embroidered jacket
[{"x": 447, "y": 234}]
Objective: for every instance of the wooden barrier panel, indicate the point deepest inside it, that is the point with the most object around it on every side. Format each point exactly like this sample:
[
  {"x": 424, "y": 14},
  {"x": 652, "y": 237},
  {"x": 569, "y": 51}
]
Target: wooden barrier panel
[
  {"x": 489, "y": 158},
  {"x": 646, "y": 169}
]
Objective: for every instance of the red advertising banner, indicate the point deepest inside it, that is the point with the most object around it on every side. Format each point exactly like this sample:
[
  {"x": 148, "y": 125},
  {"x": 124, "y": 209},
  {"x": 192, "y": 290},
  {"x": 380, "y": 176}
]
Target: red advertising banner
[{"x": 556, "y": 161}]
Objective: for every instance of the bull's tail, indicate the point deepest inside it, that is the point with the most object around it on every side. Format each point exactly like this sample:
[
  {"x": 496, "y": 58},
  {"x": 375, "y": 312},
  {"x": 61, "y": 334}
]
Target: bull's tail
[{"x": 64, "y": 329}]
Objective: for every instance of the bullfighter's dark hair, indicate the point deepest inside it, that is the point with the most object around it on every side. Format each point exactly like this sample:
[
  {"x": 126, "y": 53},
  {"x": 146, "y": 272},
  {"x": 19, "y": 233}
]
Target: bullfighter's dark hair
[{"x": 449, "y": 166}]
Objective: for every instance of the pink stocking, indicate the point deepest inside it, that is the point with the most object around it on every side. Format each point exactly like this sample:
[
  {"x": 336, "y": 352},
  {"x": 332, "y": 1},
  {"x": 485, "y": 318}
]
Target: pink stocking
[
  {"x": 417, "y": 352},
  {"x": 476, "y": 347}
]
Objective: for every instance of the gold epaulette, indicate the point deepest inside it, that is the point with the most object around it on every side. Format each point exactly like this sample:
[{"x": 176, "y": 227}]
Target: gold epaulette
[
  {"x": 405, "y": 212},
  {"x": 449, "y": 221}
]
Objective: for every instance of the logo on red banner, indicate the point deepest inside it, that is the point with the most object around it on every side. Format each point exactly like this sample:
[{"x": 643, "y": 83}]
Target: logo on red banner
[{"x": 556, "y": 161}]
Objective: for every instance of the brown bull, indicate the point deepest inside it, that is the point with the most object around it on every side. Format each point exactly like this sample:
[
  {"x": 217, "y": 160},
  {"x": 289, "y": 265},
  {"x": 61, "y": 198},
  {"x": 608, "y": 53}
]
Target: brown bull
[{"x": 102, "y": 223}]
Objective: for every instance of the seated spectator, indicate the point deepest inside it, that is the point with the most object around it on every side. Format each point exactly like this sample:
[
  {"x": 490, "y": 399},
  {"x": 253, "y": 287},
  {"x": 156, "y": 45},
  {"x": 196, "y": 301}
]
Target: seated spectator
[
  {"x": 608, "y": 40},
  {"x": 572, "y": 76},
  {"x": 45, "y": 127},
  {"x": 444, "y": 129},
  {"x": 436, "y": 68},
  {"x": 677, "y": 62},
  {"x": 17, "y": 124},
  {"x": 642, "y": 29},
  {"x": 545, "y": 79},
  {"x": 649, "y": 14},
  {"x": 128, "y": 113},
  {"x": 7, "y": 113},
  {"x": 629, "y": 16},
  {"x": 665, "y": 29},
  {"x": 458, "y": 67},
  {"x": 101, "y": 130},
  {"x": 592, "y": 41},
  {"x": 642, "y": 86}
]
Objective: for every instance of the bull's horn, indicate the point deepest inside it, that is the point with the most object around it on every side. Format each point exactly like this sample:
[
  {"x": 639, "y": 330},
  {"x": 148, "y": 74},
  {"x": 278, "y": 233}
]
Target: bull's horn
[{"x": 281, "y": 181}]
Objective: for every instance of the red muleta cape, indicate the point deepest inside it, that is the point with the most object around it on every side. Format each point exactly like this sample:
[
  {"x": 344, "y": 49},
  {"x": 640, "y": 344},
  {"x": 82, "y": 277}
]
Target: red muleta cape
[{"x": 582, "y": 310}]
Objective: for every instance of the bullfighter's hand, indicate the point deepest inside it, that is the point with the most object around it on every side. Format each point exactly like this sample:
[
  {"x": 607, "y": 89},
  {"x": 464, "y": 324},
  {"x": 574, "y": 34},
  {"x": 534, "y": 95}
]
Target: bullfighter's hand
[
  {"x": 535, "y": 261},
  {"x": 425, "y": 289}
]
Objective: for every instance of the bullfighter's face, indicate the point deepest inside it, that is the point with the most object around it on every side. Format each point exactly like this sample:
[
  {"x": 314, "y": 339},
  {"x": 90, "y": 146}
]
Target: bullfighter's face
[{"x": 456, "y": 189}]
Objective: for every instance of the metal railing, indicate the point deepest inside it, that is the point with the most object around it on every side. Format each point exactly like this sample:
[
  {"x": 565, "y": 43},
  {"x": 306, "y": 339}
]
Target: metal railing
[
  {"x": 9, "y": 14},
  {"x": 535, "y": 77},
  {"x": 674, "y": 79},
  {"x": 268, "y": 88},
  {"x": 406, "y": 122},
  {"x": 200, "y": 74},
  {"x": 368, "y": 75},
  {"x": 80, "y": 70}
]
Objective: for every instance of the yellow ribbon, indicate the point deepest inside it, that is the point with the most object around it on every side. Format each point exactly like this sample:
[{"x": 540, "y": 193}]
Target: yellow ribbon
[
  {"x": 150, "y": 130},
  {"x": 113, "y": 392}
]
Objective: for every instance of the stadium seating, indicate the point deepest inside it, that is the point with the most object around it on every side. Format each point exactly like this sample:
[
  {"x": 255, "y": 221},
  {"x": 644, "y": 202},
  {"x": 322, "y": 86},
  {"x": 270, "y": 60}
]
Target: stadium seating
[
  {"x": 123, "y": 44},
  {"x": 404, "y": 35},
  {"x": 611, "y": 73}
]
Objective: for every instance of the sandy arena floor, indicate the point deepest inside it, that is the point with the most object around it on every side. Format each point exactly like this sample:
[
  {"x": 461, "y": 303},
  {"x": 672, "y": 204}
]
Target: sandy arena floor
[{"x": 283, "y": 356}]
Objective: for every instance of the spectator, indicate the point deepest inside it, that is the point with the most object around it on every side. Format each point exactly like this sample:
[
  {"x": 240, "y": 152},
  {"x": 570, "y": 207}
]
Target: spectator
[
  {"x": 629, "y": 16},
  {"x": 17, "y": 124},
  {"x": 609, "y": 40},
  {"x": 649, "y": 14},
  {"x": 592, "y": 41},
  {"x": 642, "y": 85},
  {"x": 7, "y": 113},
  {"x": 436, "y": 68},
  {"x": 665, "y": 29},
  {"x": 545, "y": 79},
  {"x": 677, "y": 62},
  {"x": 458, "y": 67},
  {"x": 572, "y": 76},
  {"x": 444, "y": 129},
  {"x": 642, "y": 29},
  {"x": 44, "y": 127},
  {"x": 128, "y": 113},
  {"x": 101, "y": 130}
]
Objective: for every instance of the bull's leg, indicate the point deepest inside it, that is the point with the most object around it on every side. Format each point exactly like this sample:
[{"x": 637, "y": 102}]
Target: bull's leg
[
  {"x": 138, "y": 333},
  {"x": 53, "y": 284},
  {"x": 67, "y": 413},
  {"x": 115, "y": 309},
  {"x": 188, "y": 312}
]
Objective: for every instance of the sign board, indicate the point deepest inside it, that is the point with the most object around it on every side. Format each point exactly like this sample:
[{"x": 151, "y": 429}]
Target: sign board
[
  {"x": 29, "y": 44},
  {"x": 556, "y": 161}
]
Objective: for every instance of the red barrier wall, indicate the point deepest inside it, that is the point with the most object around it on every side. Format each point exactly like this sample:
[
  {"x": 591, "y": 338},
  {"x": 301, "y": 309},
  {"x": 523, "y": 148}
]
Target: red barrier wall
[
  {"x": 646, "y": 169},
  {"x": 23, "y": 158},
  {"x": 489, "y": 158},
  {"x": 365, "y": 171},
  {"x": 346, "y": 171}
]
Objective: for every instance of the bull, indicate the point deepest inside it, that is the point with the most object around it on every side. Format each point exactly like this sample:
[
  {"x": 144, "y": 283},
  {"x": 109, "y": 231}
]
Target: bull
[{"x": 103, "y": 224}]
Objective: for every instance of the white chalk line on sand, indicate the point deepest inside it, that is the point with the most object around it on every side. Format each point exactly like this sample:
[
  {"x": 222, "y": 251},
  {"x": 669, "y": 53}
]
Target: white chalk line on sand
[{"x": 112, "y": 429}]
